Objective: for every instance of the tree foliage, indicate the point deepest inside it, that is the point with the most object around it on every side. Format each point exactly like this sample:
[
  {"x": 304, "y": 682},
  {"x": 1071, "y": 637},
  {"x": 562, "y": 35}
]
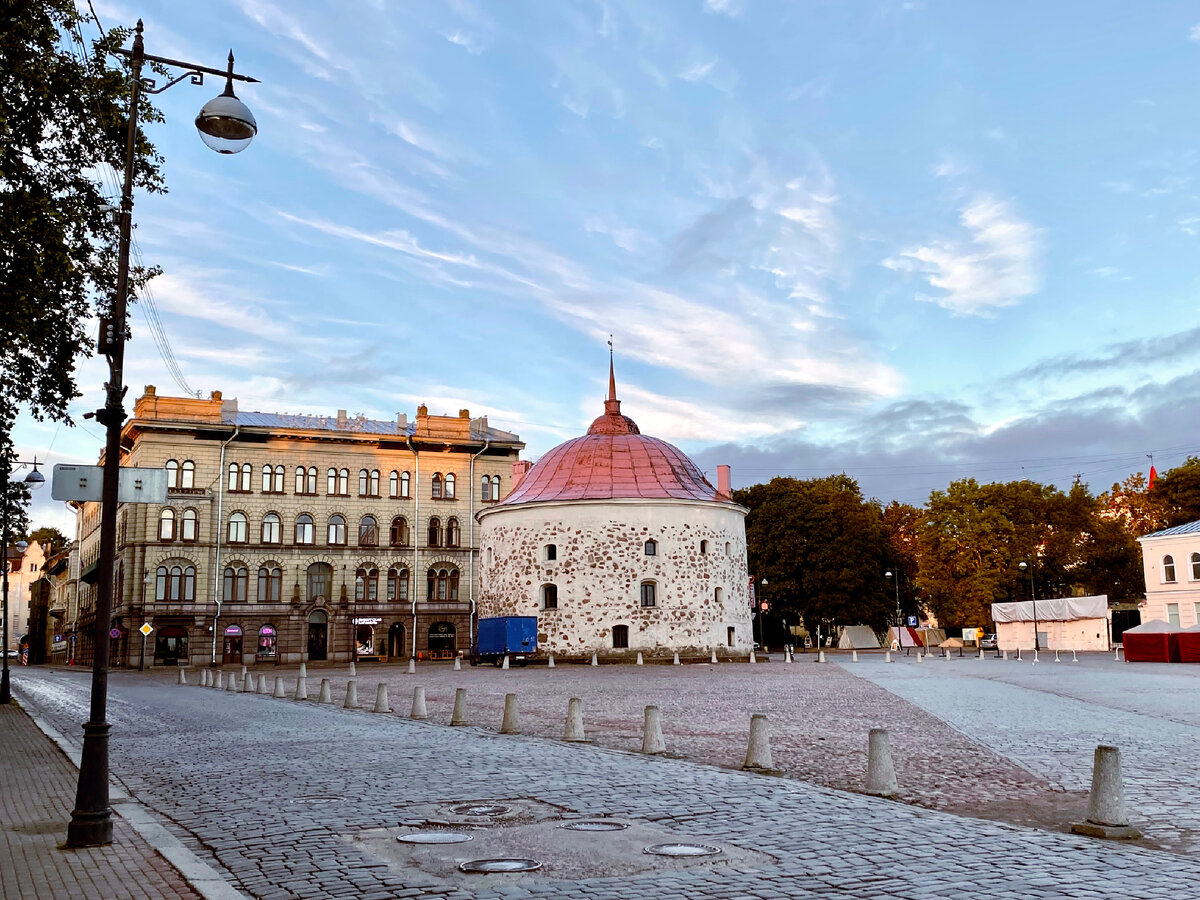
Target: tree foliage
[
  {"x": 63, "y": 122},
  {"x": 1177, "y": 494}
]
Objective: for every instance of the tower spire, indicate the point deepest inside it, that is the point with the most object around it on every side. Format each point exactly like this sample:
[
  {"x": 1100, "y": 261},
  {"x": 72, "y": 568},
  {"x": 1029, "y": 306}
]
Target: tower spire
[{"x": 612, "y": 379}]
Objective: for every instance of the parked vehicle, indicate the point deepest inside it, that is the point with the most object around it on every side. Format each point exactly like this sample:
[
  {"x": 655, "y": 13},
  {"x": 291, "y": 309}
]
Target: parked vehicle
[
  {"x": 501, "y": 636},
  {"x": 987, "y": 642}
]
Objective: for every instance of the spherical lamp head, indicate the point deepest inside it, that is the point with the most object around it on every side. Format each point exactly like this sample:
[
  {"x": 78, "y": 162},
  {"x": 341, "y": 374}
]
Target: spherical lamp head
[
  {"x": 225, "y": 123},
  {"x": 1022, "y": 566},
  {"x": 34, "y": 479}
]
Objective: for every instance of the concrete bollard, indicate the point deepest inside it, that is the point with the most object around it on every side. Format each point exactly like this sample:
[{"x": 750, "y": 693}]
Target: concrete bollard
[
  {"x": 457, "y": 664},
  {"x": 412, "y": 666},
  {"x": 242, "y": 674},
  {"x": 639, "y": 658},
  {"x": 219, "y": 680},
  {"x": 981, "y": 653},
  {"x": 920, "y": 656},
  {"x": 1074, "y": 656},
  {"x": 675, "y": 661},
  {"x": 1004, "y": 654},
  {"x": 248, "y": 683},
  {"x": 381, "y": 699},
  {"x": 353, "y": 669},
  {"x": 301, "y": 688},
  {"x": 550, "y": 661},
  {"x": 303, "y": 670},
  {"x": 881, "y": 774},
  {"x": 945, "y": 653},
  {"x": 787, "y": 656},
  {"x": 183, "y": 676},
  {"x": 573, "y": 730},
  {"x": 595, "y": 662},
  {"x": 1035, "y": 656},
  {"x": 459, "y": 715},
  {"x": 853, "y": 656},
  {"x": 1056, "y": 659},
  {"x": 231, "y": 683},
  {"x": 652, "y": 736},
  {"x": 1117, "y": 653},
  {"x": 1106, "y": 815},
  {"x": 325, "y": 695},
  {"x": 511, "y": 724},
  {"x": 279, "y": 693},
  {"x": 713, "y": 658},
  {"x": 887, "y": 655},
  {"x": 820, "y": 656},
  {"x": 206, "y": 678},
  {"x": 504, "y": 665},
  {"x": 352, "y": 695},
  {"x": 758, "y": 750},
  {"x": 753, "y": 658},
  {"x": 261, "y": 687},
  {"x": 419, "y": 711},
  {"x": 1018, "y": 654}
]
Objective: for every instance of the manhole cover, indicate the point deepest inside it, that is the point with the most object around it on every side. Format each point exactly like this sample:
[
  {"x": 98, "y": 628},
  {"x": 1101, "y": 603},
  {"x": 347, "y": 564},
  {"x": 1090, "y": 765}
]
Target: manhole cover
[
  {"x": 434, "y": 837},
  {"x": 682, "y": 850},
  {"x": 487, "y": 866},
  {"x": 594, "y": 826},
  {"x": 480, "y": 809}
]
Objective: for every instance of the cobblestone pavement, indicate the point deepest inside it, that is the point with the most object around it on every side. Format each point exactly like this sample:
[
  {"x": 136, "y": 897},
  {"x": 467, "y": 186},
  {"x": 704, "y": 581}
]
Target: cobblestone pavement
[
  {"x": 1050, "y": 717},
  {"x": 287, "y": 798},
  {"x": 37, "y": 793}
]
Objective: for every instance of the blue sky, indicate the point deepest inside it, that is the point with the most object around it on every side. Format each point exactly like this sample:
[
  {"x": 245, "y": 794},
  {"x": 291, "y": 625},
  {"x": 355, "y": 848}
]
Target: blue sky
[{"x": 911, "y": 241}]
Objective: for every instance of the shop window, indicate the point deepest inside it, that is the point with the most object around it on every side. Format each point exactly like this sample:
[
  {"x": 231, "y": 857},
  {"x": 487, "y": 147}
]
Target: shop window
[
  {"x": 336, "y": 535},
  {"x": 620, "y": 637},
  {"x": 368, "y": 532},
  {"x": 453, "y": 536},
  {"x": 187, "y": 474},
  {"x": 188, "y": 525},
  {"x": 398, "y": 534},
  {"x": 236, "y": 578},
  {"x": 237, "y": 528},
  {"x": 304, "y": 529},
  {"x": 270, "y": 584},
  {"x": 649, "y": 594},
  {"x": 166, "y": 525},
  {"x": 651, "y": 548},
  {"x": 272, "y": 529},
  {"x": 549, "y": 596},
  {"x": 268, "y": 639}
]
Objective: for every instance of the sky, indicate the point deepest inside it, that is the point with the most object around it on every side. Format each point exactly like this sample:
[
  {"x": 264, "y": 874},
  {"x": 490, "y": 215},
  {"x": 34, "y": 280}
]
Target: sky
[{"x": 909, "y": 240}]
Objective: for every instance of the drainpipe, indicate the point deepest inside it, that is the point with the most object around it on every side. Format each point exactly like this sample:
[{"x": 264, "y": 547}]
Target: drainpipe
[
  {"x": 416, "y": 489},
  {"x": 471, "y": 542},
  {"x": 217, "y": 564}
]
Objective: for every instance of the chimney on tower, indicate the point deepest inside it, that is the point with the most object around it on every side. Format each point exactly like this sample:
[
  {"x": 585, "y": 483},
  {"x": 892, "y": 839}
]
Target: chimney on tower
[{"x": 723, "y": 482}]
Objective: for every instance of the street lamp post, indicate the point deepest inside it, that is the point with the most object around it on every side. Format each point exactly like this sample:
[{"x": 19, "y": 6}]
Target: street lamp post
[
  {"x": 895, "y": 577},
  {"x": 33, "y": 481},
  {"x": 226, "y": 126},
  {"x": 762, "y": 608},
  {"x": 1033, "y": 598}
]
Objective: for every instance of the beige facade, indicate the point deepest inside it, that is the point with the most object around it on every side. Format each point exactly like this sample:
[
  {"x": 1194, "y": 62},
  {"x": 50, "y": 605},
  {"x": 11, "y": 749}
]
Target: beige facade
[
  {"x": 288, "y": 538},
  {"x": 24, "y": 569},
  {"x": 1171, "y": 565}
]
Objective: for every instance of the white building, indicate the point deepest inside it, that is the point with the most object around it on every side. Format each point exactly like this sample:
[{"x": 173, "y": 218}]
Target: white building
[
  {"x": 1171, "y": 563},
  {"x": 24, "y": 568},
  {"x": 616, "y": 542}
]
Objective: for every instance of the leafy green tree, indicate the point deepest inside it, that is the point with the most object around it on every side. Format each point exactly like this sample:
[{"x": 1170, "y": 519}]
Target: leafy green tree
[
  {"x": 822, "y": 548},
  {"x": 1177, "y": 493},
  {"x": 63, "y": 122},
  {"x": 1131, "y": 502},
  {"x": 47, "y": 536}
]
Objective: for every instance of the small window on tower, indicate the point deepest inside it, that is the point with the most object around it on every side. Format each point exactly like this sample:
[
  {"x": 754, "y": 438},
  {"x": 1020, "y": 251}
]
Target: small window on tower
[
  {"x": 551, "y": 552},
  {"x": 651, "y": 548}
]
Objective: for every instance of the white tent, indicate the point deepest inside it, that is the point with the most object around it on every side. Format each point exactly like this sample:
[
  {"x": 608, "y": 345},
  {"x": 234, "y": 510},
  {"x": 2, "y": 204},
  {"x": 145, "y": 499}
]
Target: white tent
[
  {"x": 858, "y": 637},
  {"x": 1063, "y": 623}
]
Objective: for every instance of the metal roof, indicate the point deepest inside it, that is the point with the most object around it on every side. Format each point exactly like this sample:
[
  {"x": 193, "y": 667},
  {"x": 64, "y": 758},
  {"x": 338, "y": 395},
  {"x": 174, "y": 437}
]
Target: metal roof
[
  {"x": 355, "y": 425},
  {"x": 1189, "y": 528}
]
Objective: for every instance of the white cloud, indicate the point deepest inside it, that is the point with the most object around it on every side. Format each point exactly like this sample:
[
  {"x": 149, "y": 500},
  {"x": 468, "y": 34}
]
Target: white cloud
[
  {"x": 1190, "y": 226},
  {"x": 731, "y": 8},
  {"x": 995, "y": 267},
  {"x": 1194, "y": 33},
  {"x": 469, "y": 41}
]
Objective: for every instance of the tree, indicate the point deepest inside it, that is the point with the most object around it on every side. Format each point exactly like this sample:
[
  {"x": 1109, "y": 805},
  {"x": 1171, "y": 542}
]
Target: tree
[
  {"x": 1177, "y": 493},
  {"x": 1131, "y": 502},
  {"x": 47, "y": 536},
  {"x": 63, "y": 122},
  {"x": 822, "y": 548},
  {"x": 902, "y": 523}
]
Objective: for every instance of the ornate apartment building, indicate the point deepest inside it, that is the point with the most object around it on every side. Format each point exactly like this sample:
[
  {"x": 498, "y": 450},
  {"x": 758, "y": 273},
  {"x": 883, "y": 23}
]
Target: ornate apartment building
[{"x": 287, "y": 538}]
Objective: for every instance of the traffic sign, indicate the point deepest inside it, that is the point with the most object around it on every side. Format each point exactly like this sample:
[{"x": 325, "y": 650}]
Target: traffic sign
[
  {"x": 115, "y": 633},
  {"x": 146, "y": 629},
  {"x": 912, "y": 621}
]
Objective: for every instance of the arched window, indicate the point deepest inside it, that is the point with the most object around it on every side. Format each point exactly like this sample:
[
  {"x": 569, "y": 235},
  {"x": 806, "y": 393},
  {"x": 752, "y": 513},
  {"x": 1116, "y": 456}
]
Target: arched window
[
  {"x": 1196, "y": 567},
  {"x": 320, "y": 581},
  {"x": 344, "y": 482},
  {"x": 620, "y": 637},
  {"x": 235, "y": 584},
  {"x": 331, "y": 481},
  {"x": 280, "y": 474},
  {"x": 728, "y": 550},
  {"x": 270, "y": 584},
  {"x": 366, "y": 585},
  {"x": 363, "y": 478},
  {"x": 452, "y": 586},
  {"x": 452, "y": 533},
  {"x": 398, "y": 535},
  {"x": 266, "y": 478},
  {"x": 337, "y": 531},
  {"x": 404, "y": 485},
  {"x": 495, "y": 487},
  {"x": 435, "y": 486},
  {"x": 175, "y": 590},
  {"x": 703, "y": 547},
  {"x": 189, "y": 584},
  {"x": 232, "y": 483},
  {"x": 435, "y": 532},
  {"x": 551, "y": 552},
  {"x": 161, "y": 575},
  {"x": 651, "y": 548},
  {"x": 449, "y": 486},
  {"x": 300, "y": 480},
  {"x": 187, "y": 525},
  {"x": 368, "y": 532},
  {"x": 272, "y": 529},
  {"x": 442, "y": 585},
  {"x": 397, "y": 585},
  {"x": 237, "y": 528},
  {"x": 719, "y": 596},
  {"x": 649, "y": 594},
  {"x": 393, "y": 483},
  {"x": 304, "y": 529},
  {"x": 485, "y": 489},
  {"x": 166, "y": 525},
  {"x": 549, "y": 596},
  {"x": 172, "y": 468},
  {"x": 1168, "y": 568},
  {"x": 247, "y": 474},
  {"x": 374, "y": 485},
  {"x": 187, "y": 474}
]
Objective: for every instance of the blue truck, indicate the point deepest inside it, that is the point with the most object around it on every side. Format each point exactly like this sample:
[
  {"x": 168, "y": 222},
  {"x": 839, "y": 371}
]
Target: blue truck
[{"x": 501, "y": 636}]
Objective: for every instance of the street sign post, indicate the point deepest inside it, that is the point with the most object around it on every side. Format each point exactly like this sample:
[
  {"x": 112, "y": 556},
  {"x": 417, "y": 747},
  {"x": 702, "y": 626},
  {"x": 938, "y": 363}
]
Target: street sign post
[
  {"x": 145, "y": 630},
  {"x": 83, "y": 483}
]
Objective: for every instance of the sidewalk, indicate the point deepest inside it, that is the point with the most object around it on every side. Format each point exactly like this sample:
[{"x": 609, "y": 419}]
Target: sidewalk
[{"x": 37, "y": 793}]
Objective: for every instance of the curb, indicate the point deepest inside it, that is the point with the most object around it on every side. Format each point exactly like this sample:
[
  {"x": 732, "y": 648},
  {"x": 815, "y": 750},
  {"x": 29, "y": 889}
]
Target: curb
[{"x": 203, "y": 878}]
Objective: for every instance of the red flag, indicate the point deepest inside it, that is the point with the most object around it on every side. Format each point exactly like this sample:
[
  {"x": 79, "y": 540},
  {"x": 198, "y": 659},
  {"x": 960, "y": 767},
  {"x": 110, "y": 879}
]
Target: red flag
[{"x": 1153, "y": 475}]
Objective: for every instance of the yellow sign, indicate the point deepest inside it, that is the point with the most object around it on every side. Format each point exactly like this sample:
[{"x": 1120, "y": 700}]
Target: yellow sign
[{"x": 146, "y": 629}]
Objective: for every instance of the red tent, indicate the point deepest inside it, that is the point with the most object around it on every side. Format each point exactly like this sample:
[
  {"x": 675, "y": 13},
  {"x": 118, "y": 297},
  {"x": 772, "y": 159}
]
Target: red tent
[
  {"x": 1189, "y": 644},
  {"x": 1153, "y": 641}
]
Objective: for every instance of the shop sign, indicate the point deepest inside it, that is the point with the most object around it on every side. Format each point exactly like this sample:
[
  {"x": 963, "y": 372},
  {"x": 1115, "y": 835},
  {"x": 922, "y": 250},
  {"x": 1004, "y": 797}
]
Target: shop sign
[
  {"x": 267, "y": 629},
  {"x": 367, "y": 620},
  {"x": 233, "y": 630}
]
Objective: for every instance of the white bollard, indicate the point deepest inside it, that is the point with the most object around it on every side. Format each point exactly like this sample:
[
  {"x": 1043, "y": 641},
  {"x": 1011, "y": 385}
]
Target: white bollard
[
  {"x": 504, "y": 665},
  {"x": 595, "y": 662},
  {"x": 758, "y": 750},
  {"x": 1106, "y": 815},
  {"x": 1074, "y": 656},
  {"x": 353, "y": 669},
  {"x": 182, "y": 676},
  {"x": 242, "y": 675},
  {"x": 261, "y": 686},
  {"x": 1035, "y": 656},
  {"x": 1004, "y": 654},
  {"x": 652, "y": 736},
  {"x": 418, "y": 705},
  {"x": 788, "y": 657},
  {"x": 753, "y": 658},
  {"x": 412, "y": 666},
  {"x": 248, "y": 683},
  {"x": 231, "y": 683},
  {"x": 675, "y": 661},
  {"x": 1117, "y": 653},
  {"x": 511, "y": 723},
  {"x": 279, "y": 693},
  {"x": 853, "y": 656},
  {"x": 573, "y": 730},
  {"x": 351, "y": 695},
  {"x": 639, "y": 658},
  {"x": 713, "y": 659},
  {"x": 881, "y": 774},
  {"x": 303, "y": 670},
  {"x": 820, "y": 656},
  {"x": 945, "y": 653},
  {"x": 459, "y": 715},
  {"x": 206, "y": 678},
  {"x": 887, "y": 655},
  {"x": 920, "y": 656},
  {"x": 219, "y": 680},
  {"x": 458, "y": 664},
  {"x": 325, "y": 695},
  {"x": 1056, "y": 659},
  {"x": 550, "y": 661},
  {"x": 301, "y": 688},
  {"x": 981, "y": 653},
  {"x": 381, "y": 699}
]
